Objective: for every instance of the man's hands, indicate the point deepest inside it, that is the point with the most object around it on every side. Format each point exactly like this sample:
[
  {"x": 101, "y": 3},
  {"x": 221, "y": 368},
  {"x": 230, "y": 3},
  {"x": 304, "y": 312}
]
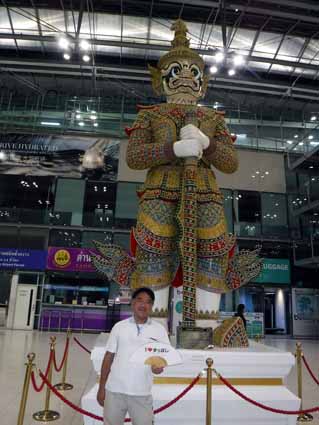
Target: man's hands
[
  {"x": 157, "y": 370},
  {"x": 192, "y": 143},
  {"x": 101, "y": 396}
]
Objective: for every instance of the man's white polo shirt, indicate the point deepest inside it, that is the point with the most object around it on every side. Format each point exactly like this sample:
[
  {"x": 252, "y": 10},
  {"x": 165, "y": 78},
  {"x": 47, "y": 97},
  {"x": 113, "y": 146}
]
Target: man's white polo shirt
[{"x": 125, "y": 338}]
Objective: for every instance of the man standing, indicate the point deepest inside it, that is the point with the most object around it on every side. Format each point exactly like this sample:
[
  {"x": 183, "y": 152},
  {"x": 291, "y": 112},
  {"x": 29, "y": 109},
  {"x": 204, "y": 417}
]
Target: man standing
[{"x": 124, "y": 386}]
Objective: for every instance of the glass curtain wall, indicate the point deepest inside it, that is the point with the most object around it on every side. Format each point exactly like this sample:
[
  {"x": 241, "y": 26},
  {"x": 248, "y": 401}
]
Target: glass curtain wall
[
  {"x": 99, "y": 204},
  {"x": 247, "y": 208},
  {"x": 274, "y": 215},
  {"x": 228, "y": 207},
  {"x": 126, "y": 204},
  {"x": 26, "y": 199}
]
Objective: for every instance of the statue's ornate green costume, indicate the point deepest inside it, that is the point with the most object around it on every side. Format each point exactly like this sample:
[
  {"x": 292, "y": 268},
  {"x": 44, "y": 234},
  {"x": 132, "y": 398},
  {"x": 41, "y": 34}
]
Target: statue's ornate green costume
[
  {"x": 151, "y": 146},
  {"x": 181, "y": 235}
]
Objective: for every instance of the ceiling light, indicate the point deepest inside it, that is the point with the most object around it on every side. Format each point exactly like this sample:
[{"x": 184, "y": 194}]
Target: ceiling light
[
  {"x": 81, "y": 123},
  {"x": 64, "y": 43},
  {"x": 267, "y": 172},
  {"x": 296, "y": 136},
  {"x": 311, "y": 166},
  {"x": 300, "y": 143},
  {"x": 289, "y": 142},
  {"x": 238, "y": 60},
  {"x": 314, "y": 143},
  {"x": 86, "y": 58},
  {"x": 95, "y": 124},
  {"x": 84, "y": 45},
  {"x": 93, "y": 112},
  {"x": 93, "y": 117},
  {"x": 52, "y": 123},
  {"x": 219, "y": 57},
  {"x": 213, "y": 69},
  {"x": 231, "y": 72},
  {"x": 3, "y": 156},
  {"x": 310, "y": 137},
  {"x": 313, "y": 118},
  {"x": 67, "y": 56},
  {"x": 78, "y": 116}
]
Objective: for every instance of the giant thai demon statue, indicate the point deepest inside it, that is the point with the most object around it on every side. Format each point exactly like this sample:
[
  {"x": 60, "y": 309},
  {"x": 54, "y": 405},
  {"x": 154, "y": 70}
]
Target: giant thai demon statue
[{"x": 181, "y": 235}]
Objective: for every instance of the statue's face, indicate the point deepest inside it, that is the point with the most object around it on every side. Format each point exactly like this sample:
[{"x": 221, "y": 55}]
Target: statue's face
[{"x": 182, "y": 81}]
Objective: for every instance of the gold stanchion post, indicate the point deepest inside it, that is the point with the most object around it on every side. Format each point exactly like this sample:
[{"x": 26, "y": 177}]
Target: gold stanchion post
[
  {"x": 48, "y": 415},
  {"x": 304, "y": 417},
  {"x": 209, "y": 382},
  {"x": 63, "y": 386},
  {"x": 257, "y": 338},
  {"x": 25, "y": 391}
]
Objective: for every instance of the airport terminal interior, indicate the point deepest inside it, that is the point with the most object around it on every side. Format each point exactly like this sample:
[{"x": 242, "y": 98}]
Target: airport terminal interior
[{"x": 73, "y": 76}]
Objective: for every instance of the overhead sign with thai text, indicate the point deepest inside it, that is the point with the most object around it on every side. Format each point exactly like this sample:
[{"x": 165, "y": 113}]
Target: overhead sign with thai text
[
  {"x": 22, "y": 259},
  {"x": 70, "y": 259}
]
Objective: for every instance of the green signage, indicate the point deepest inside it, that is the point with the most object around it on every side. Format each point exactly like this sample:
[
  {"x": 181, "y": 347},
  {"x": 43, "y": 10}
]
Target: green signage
[{"x": 274, "y": 271}]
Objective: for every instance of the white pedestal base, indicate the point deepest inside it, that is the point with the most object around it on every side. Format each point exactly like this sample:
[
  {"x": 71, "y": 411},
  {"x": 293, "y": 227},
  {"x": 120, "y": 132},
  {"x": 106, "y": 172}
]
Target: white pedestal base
[{"x": 257, "y": 363}]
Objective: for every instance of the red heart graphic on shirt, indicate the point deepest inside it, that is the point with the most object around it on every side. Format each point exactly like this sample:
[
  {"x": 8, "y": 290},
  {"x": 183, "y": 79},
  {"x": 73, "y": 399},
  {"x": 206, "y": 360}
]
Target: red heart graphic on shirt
[{"x": 150, "y": 349}]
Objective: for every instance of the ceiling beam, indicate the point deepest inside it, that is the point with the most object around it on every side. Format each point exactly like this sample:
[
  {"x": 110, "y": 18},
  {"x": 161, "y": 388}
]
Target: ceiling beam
[
  {"x": 80, "y": 18},
  {"x": 294, "y": 4},
  {"x": 159, "y": 47},
  {"x": 142, "y": 75},
  {"x": 11, "y": 24},
  {"x": 275, "y": 13},
  {"x": 233, "y": 5}
]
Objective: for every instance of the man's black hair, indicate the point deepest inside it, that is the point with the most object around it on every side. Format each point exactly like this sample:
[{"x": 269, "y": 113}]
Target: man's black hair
[{"x": 145, "y": 289}]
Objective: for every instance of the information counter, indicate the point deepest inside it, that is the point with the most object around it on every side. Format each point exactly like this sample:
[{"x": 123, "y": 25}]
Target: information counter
[{"x": 90, "y": 318}]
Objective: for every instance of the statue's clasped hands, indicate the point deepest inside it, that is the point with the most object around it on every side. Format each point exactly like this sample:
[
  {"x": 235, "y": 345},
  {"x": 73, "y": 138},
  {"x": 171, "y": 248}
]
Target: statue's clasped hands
[{"x": 193, "y": 142}]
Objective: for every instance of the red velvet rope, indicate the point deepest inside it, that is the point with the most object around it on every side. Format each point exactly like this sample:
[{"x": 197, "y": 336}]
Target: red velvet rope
[
  {"x": 81, "y": 345},
  {"x": 309, "y": 370},
  {"x": 66, "y": 349},
  {"x": 262, "y": 406},
  {"x": 100, "y": 418},
  {"x": 33, "y": 380}
]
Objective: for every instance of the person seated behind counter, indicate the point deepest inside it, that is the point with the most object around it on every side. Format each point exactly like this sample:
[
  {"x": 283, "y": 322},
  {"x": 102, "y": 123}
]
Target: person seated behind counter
[
  {"x": 240, "y": 313},
  {"x": 124, "y": 386}
]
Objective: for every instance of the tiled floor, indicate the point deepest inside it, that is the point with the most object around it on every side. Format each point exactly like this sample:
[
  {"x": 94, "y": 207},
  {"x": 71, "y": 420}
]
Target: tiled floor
[{"x": 15, "y": 345}]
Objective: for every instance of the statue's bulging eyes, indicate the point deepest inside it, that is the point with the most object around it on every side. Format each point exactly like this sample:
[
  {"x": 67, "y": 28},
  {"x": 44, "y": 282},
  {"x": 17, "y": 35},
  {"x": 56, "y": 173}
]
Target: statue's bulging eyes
[
  {"x": 176, "y": 70},
  {"x": 195, "y": 72}
]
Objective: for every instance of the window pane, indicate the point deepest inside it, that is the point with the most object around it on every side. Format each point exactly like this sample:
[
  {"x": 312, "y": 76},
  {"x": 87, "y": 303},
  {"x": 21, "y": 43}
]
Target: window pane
[
  {"x": 228, "y": 208},
  {"x": 37, "y": 199},
  {"x": 274, "y": 214},
  {"x": 126, "y": 204},
  {"x": 69, "y": 198},
  {"x": 294, "y": 223},
  {"x": 33, "y": 238},
  {"x": 66, "y": 238},
  {"x": 9, "y": 237},
  {"x": 247, "y": 207},
  {"x": 89, "y": 237},
  {"x": 99, "y": 204},
  {"x": 11, "y": 198}
]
